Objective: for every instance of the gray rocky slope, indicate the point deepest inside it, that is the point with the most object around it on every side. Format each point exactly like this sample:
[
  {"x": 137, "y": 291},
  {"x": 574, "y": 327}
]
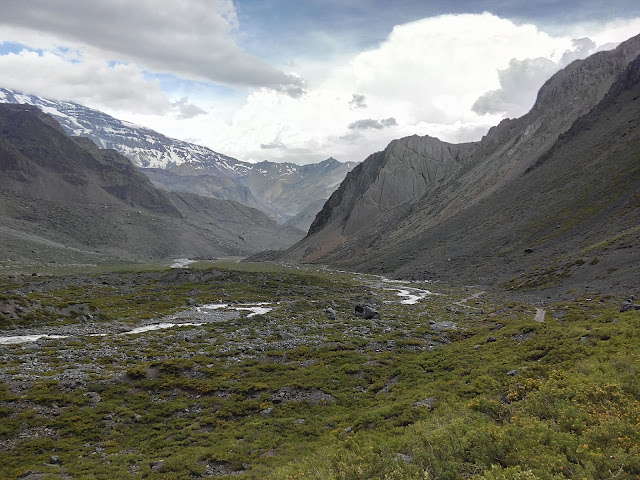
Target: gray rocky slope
[
  {"x": 559, "y": 183},
  {"x": 64, "y": 199},
  {"x": 282, "y": 190}
]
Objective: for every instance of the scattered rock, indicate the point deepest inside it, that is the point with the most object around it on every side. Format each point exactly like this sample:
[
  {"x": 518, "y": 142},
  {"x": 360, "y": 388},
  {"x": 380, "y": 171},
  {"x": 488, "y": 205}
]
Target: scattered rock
[
  {"x": 54, "y": 460},
  {"x": 523, "y": 337},
  {"x": 267, "y": 411},
  {"x": 299, "y": 421},
  {"x": 491, "y": 339},
  {"x": 29, "y": 475},
  {"x": 157, "y": 466},
  {"x": 513, "y": 373},
  {"x": 628, "y": 306},
  {"x": 401, "y": 457},
  {"x": 269, "y": 454},
  {"x": 331, "y": 313},
  {"x": 93, "y": 397},
  {"x": 312, "y": 397},
  {"x": 443, "y": 326},
  {"x": 32, "y": 347},
  {"x": 366, "y": 311},
  {"x": 427, "y": 402},
  {"x": 528, "y": 250},
  {"x": 390, "y": 383}
]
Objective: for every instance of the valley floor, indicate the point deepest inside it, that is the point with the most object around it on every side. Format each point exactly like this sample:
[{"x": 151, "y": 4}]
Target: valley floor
[{"x": 248, "y": 370}]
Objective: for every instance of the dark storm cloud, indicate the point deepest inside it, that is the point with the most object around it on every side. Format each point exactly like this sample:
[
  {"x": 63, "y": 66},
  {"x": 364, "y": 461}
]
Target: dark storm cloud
[
  {"x": 368, "y": 123},
  {"x": 189, "y": 38}
]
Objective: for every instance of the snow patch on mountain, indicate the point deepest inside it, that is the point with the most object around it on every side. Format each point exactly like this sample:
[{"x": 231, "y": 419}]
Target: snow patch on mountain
[{"x": 145, "y": 147}]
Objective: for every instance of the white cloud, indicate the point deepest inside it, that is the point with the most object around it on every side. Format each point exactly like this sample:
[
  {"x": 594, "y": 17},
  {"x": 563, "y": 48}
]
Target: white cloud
[
  {"x": 519, "y": 83},
  {"x": 521, "y": 80},
  {"x": 426, "y": 77},
  {"x": 91, "y": 81},
  {"x": 192, "y": 38}
]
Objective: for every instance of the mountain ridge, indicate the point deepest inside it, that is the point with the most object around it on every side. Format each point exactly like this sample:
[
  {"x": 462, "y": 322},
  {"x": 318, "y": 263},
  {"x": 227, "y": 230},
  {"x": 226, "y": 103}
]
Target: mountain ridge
[
  {"x": 357, "y": 229},
  {"x": 267, "y": 186}
]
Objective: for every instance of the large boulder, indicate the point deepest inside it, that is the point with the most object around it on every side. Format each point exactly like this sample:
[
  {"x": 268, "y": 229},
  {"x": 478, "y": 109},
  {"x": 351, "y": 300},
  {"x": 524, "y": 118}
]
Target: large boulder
[{"x": 366, "y": 311}]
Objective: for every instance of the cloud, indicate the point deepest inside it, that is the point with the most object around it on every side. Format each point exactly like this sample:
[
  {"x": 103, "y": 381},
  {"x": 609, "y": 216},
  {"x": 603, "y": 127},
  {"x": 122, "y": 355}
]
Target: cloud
[
  {"x": 274, "y": 145},
  {"x": 582, "y": 48},
  {"x": 521, "y": 80},
  {"x": 190, "y": 38},
  {"x": 519, "y": 83},
  {"x": 91, "y": 82},
  {"x": 428, "y": 74},
  {"x": 351, "y": 137},
  {"x": 370, "y": 123},
  {"x": 365, "y": 124},
  {"x": 358, "y": 101},
  {"x": 184, "y": 109}
]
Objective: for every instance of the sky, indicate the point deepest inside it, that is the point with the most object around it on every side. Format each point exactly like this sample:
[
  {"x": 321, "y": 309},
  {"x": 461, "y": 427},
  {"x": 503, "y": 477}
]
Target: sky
[{"x": 301, "y": 81}]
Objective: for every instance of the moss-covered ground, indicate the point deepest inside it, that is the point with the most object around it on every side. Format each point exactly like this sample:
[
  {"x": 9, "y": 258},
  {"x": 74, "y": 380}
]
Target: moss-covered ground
[{"x": 463, "y": 384}]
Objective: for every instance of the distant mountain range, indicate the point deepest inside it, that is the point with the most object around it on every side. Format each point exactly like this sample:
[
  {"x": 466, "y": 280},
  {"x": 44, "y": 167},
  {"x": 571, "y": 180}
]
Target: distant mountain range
[
  {"x": 282, "y": 190},
  {"x": 547, "y": 199},
  {"x": 63, "y": 200}
]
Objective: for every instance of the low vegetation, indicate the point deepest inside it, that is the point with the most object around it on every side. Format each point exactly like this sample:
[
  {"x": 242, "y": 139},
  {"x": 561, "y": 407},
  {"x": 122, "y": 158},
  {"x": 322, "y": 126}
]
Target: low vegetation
[{"x": 463, "y": 384}]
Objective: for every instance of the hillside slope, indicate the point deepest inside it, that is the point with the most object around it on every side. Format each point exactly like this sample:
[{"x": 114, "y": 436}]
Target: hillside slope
[
  {"x": 63, "y": 198},
  {"x": 537, "y": 184}
]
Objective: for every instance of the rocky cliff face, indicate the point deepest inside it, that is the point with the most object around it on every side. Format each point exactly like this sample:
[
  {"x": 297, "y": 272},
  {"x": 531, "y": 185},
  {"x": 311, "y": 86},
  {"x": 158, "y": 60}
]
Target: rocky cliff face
[
  {"x": 402, "y": 174},
  {"x": 63, "y": 197},
  {"x": 418, "y": 203}
]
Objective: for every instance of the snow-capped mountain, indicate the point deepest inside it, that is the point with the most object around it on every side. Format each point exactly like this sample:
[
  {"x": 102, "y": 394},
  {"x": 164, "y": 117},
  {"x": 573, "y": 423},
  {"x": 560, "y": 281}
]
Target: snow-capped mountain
[
  {"x": 146, "y": 148},
  {"x": 282, "y": 190}
]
